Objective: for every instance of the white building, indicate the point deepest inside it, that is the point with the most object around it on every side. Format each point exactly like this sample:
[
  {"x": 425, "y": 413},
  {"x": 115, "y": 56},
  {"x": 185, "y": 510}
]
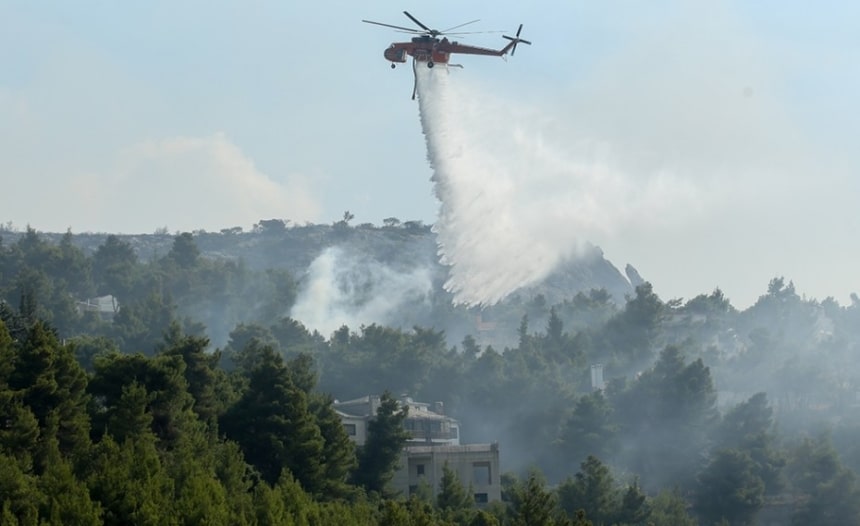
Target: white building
[
  {"x": 425, "y": 425},
  {"x": 435, "y": 441}
]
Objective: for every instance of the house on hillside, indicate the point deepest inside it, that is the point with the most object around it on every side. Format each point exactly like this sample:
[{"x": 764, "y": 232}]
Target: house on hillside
[
  {"x": 105, "y": 307},
  {"x": 435, "y": 441}
]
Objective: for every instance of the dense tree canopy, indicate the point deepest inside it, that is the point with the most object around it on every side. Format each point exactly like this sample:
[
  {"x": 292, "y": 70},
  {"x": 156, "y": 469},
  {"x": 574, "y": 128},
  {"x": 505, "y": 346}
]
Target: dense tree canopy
[{"x": 127, "y": 412}]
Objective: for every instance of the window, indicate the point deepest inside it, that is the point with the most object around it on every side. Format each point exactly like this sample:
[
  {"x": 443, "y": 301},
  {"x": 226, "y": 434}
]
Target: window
[
  {"x": 481, "y": 473},
  {"x": 350, "y": 429},
  {"x": 413, "y": 489},
  {"x": 481, "y": 498},
  {"x": 419, "y": 469}
]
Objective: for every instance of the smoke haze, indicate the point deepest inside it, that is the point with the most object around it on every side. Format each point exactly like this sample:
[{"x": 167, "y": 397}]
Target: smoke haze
[{"x": 347, "y": 289}]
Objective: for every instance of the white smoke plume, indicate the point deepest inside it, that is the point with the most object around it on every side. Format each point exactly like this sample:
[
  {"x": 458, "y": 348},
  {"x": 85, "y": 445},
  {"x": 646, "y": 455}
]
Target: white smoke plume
[
  {"x": 347, "y": 289},
  {"x": 516, "y": 198}
]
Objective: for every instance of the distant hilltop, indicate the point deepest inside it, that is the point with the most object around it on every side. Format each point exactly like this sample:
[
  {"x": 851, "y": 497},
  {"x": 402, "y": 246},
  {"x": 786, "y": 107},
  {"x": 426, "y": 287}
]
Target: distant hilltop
[{"x": 275, "y": 244}]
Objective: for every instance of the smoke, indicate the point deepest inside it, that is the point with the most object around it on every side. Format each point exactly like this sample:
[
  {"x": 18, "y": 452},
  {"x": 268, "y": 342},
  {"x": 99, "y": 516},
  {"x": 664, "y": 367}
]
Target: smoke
[
  {"x": 341, "y": 288},
  {"x": 517, "y": 196}
]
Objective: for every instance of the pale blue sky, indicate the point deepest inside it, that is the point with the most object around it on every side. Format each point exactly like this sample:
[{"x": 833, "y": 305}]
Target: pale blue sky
[{"x": 129, "y": 116}]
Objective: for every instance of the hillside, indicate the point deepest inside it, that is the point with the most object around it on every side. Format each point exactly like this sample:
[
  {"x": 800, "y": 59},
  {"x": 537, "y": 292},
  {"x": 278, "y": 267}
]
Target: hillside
[{"x": 273, "y": 245}]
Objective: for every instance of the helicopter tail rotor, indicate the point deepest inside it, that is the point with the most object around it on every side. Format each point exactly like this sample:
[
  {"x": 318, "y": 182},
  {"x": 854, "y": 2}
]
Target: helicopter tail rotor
[{"x": 516, "y": 40}]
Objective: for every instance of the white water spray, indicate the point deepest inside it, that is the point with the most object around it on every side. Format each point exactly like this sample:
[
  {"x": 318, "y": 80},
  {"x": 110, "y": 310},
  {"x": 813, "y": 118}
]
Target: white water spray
[{"x": 514, "y": 204}]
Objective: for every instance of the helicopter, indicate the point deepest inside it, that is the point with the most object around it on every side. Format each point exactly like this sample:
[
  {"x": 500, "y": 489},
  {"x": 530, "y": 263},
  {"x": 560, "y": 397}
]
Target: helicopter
[{"x": 431, "y": 46}]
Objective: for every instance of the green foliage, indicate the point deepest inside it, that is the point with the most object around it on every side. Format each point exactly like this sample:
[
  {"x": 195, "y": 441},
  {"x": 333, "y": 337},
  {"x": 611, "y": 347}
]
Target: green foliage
[
  {"x": 669, "y": 508},
  {"x": 151, "y": 451},
  {"x": 50, "y": 382},
  {"x": 19, "y": 493},
  {"x": 338, "y": 450},
  {"x": 184, "y": 251},
  {"x": 140, "y": 325},
  {"x": 87, "y": 348},
  {"x": 592, "y": 489},
  {"x": 115, "y": 269},
  {"x": 452, "y": 496},
  {"x": 730, "y": 489},
  {"x": 590, "y": 430},
  {"x": 633, "y": 508},
  {"x": 831, "y": 493},
  {"x": 273, "y": 424},
  {"x": 202, "y": 376},
  {"x": 167, "y": 398},
  {"x": 632, "y": 333},
  {"x": 532, "y": 504},
  {"x": 749, "y": 427},
  {"x": 378, "y": 458},
  {"x": 593, "y": 492},
  {"x": 130, "y": 482},
  {"x": 66, "y": 498},
  {"x": 682, "y": 399}
]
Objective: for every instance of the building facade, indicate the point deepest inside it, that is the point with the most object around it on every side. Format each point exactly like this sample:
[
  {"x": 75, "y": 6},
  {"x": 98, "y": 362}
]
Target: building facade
[{"x": 434, "y": 442}]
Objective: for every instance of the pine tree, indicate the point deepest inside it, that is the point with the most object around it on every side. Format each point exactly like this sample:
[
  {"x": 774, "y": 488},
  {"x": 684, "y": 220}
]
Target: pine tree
[
  {"x": 729, "y": 488},
  {"x": 201, "y": 371},
  {"x": 67, "y": 499},
  {"x": 532, "y": 504},
  {"x": 339, "y": 456},
  {"x": 274, "y": 426},
  {"x": 130, "y": 482},
  {"x": 50, "y": 381},
  {"x": 452, "y": 496},
  {"x": 19, "y": 494},
  {"x": 592, "y": 489},
  {"x": 377, "y": 459}
]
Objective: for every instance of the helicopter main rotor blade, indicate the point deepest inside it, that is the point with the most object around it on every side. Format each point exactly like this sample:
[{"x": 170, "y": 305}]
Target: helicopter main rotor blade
[
  {"x": 422, "y": 26},
  {"x": 409, "y": 29},
  {"x": 457, "y": 33},
  {"x": 461, "y": 25}
]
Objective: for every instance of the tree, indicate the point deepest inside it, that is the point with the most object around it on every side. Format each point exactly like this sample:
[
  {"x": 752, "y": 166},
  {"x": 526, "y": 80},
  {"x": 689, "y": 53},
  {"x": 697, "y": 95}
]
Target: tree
[
  {"x": 633, "y": 508},
  {"x": 836, "y": 501},
  {"x": 338, "y": 450},
  {"x": 531, "y": 503},
  {"x": 245, "y": 341},
  {"x": 201, "y": 372},
  {"x": 73, "y": 268},
  {"x": 377, "y": 459},
  {"x": 140, "y": 325},
  {"x": 671, "y": 410},
  {"x": 20, "y": 497},
  {"x": 730, "y": 489},
  {"x": 669, "y": 508},
  {"x": 184, "y": 251},
  {"x": 748, "y": 427},
  {"x": 590, "y": 430},
  {"x": 130, "y": 482},
  {"x": 452, "y": 496},
  {"x": 166, "y": 396},
  {"x": 115, "y": 268},
  {"x": 830, "y": 491},
  {"x": 51, "y": 382},
  {"x": 632, "y": 333},
  {"x": 592, "y": 489},
  {"x": 272, "y": 423},
  {"x": 67, "y": 499}
]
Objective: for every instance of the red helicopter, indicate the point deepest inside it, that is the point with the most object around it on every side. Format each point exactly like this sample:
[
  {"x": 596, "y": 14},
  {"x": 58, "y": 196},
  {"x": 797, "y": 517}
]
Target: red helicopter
[{"x": 429, "y": 48}]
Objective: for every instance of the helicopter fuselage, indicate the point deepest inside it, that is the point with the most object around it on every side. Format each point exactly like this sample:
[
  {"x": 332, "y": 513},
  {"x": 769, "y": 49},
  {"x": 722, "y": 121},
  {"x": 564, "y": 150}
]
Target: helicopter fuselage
[{"x": 423, "y": 49}]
